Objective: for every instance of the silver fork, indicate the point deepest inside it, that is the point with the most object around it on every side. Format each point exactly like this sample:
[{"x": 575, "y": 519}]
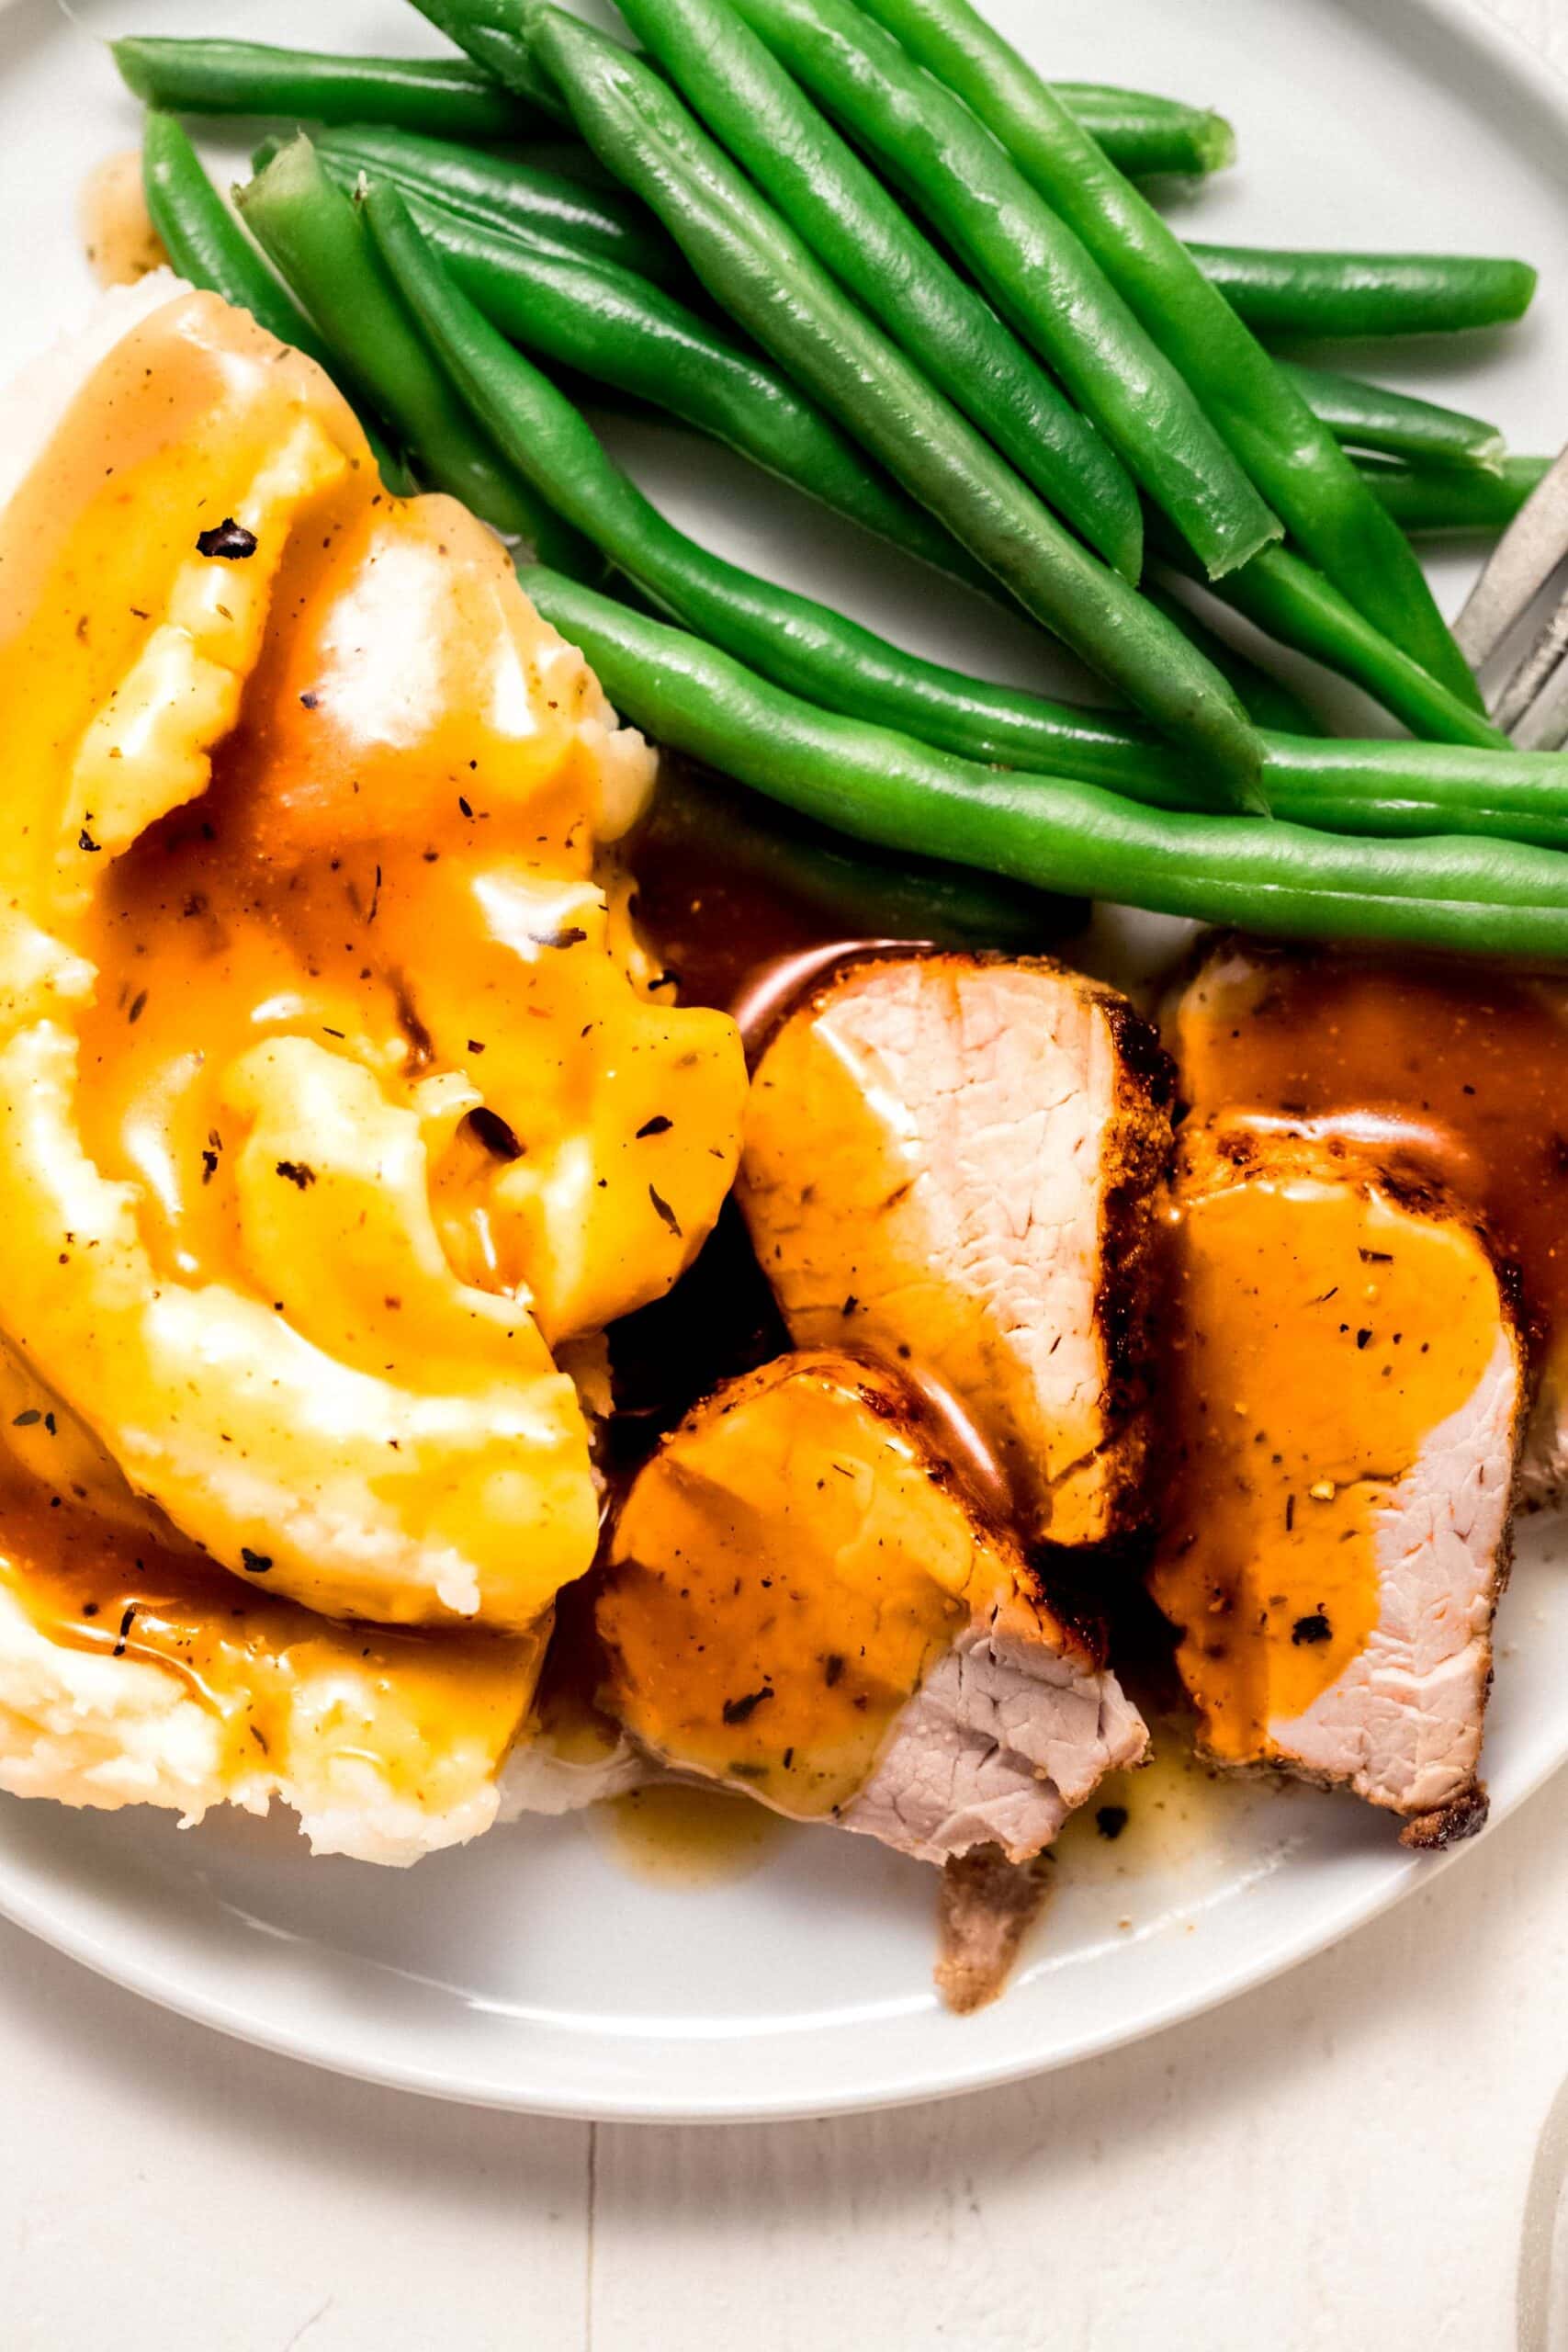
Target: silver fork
[{"x": 1530, "y": 702}]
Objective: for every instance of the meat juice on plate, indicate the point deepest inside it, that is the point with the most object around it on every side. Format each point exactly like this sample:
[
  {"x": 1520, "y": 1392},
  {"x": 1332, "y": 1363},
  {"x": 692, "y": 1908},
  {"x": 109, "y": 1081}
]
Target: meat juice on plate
[{"x": 681, "y": 1837}]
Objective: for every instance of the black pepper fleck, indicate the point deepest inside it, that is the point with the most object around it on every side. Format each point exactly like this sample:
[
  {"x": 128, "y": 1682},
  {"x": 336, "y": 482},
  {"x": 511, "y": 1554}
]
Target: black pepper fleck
[
  {"x": 229, "y": 539},
  {"x": 491, "y": 1130}
]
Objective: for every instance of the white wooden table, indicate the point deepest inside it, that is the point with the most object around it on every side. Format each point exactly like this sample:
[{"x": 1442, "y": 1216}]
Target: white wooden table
[{"x": 1341, "y": 2160}]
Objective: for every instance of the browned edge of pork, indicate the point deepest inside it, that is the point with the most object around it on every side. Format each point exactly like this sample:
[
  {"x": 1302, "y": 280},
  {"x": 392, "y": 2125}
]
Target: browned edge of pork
[{"x": 1136, "y": 1148}]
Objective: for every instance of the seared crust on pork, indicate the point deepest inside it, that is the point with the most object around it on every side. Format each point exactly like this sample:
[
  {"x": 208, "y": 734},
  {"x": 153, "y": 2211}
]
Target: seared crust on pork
[
  {"x": 954, "y": 1162},
  {"x": 804, "y": 1599}
]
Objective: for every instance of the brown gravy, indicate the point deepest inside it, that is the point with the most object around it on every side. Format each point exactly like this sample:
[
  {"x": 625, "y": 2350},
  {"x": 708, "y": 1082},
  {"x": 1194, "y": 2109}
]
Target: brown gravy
[
  {"x": 744, "y": 905},
  {"x": 1455, "y": 1073},
  {"x": 728, "y": 887},
  {"x": 1317, "y": 1332},
  {"x": 676, "y": 1834}
]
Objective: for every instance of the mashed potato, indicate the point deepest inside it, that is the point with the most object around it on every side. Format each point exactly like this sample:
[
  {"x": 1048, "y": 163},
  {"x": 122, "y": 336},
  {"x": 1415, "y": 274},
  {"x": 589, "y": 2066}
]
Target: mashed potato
[{"x": 335, "y": 1094}]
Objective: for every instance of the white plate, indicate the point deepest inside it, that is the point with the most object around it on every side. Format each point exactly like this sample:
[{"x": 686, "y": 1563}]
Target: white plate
[{"x": 531, "y": 1972}]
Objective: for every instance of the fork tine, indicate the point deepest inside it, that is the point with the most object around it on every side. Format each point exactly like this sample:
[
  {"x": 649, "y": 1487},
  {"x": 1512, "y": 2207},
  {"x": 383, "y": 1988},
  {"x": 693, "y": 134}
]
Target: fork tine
[
  {"x": 1523, "y": 561},
  {"x": 1534, "y": 673},
  {"x": 1544, "y": 727}
]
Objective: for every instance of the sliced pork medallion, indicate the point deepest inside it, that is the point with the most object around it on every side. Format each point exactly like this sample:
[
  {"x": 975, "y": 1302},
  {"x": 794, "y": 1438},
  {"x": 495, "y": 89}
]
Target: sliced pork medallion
[
  {"x": 804, "y": 1599},
  {"x": 953, "y": 1162},
  {"x": 1346, "y": 1392},
  {"x": 1450, "y": 1071}
]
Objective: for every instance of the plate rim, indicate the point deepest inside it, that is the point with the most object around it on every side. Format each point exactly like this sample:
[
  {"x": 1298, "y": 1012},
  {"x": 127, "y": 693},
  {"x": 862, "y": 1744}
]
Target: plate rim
[{"x": 47, "y": 1914}]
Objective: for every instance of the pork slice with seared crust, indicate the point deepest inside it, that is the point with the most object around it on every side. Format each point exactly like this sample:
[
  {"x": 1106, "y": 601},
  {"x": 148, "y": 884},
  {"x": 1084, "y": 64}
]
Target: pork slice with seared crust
[
  {"x": 1458, "y": 1071},
  {"x": 953, "y": 1161},
  {"x": 1347, "y": 1399},
  {"x": 805, "y": 1599}
]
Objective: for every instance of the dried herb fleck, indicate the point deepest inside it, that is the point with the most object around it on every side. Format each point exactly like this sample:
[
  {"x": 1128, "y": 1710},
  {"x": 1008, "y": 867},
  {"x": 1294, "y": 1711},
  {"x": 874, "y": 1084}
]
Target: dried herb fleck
[
  {"x": 665, "y": 1212},
  {"x": 740, "y": 1710}
]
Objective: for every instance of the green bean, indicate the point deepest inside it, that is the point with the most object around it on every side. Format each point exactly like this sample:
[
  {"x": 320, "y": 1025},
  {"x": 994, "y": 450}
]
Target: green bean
[
  {"x": 1436, "y": 502},
  {"x": 846, "y": 668},
  {"x": 207, "y": 245},
  {"x": 1267, "y": 701},
  {"x": 616, "y": 329},
  {"x": 456, "y": 98},
  {"x": 1151, "y": 138},
  {"x": 1319, "y": 296},
  {"x": 1335, "y": 784},
  {"x": 1364, "y": 414},
  {"x": 841, "y": 210},
  {"x": 813, "y": 652},
  {"x": 548, "y": 442},
  {"x": 1294, "y": 601},
  {"x": 453, "y": 100},
  {"x": 852, "y": 224},
  {"x": 1384, "y": 790},
  {"x": 490, "y": 30},
  {"x": 1295, "y": 460},
  {"x": 506, "y": 194},
  {"x": 1404, "y": 789},
  {"x": 313, "y": 234},
  {"x": 1367, "y": 416},
  {"x": 1032, "y": 265},
  {"x": 1495, "y": 897},
  {"x": 763, "y": 273},
  {"x": 537, "y": 203}
]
